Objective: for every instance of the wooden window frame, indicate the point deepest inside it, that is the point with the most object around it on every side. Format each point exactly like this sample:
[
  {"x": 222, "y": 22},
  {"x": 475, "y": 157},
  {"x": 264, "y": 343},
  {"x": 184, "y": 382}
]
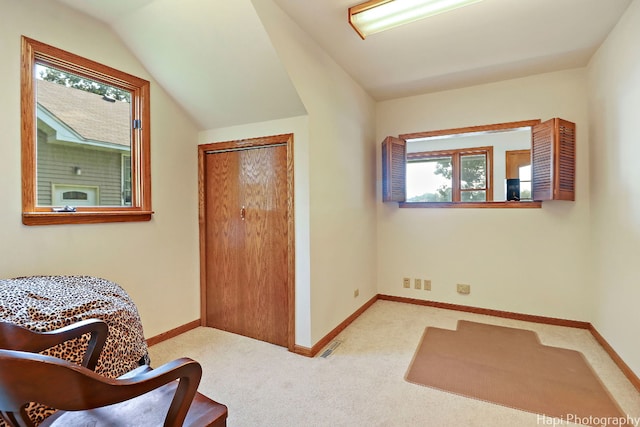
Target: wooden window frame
[
  {"x": 456, "y": 181},
  {"x": 36, "y": 52}
]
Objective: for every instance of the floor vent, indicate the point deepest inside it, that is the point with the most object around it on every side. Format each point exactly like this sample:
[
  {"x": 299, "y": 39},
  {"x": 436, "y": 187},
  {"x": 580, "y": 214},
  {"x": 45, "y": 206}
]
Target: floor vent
[{"x": 334, "y": 344}]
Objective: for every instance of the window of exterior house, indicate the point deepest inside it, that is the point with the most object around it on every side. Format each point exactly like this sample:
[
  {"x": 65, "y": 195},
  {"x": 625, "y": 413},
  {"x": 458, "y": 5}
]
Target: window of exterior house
[{"x": 85, "y": 140}]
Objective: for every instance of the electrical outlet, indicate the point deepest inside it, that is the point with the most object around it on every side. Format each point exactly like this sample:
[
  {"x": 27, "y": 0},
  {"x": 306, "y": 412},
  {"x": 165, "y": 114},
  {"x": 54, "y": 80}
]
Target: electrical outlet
[
  {"x": 417, "y": 283},
  {"x": 464, "y": 289},
  {"x": 356, "y": 293},
  {"x": 406, "y": 282},
  {"x": 427, "y": 285}
]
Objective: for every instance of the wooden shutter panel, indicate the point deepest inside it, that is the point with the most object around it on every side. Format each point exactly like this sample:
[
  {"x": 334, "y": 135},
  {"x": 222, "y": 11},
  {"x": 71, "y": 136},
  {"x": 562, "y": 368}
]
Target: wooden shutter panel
[
  {"x": 553, "y": 156},
  {"x": 394, "y": 169},
  {"x": 565, "y": 185},
  {"x": 541, "y": 161}
]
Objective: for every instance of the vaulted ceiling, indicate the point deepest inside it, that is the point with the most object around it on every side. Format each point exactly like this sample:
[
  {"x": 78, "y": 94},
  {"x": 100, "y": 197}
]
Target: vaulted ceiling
[{"x": 215, "y": 58}]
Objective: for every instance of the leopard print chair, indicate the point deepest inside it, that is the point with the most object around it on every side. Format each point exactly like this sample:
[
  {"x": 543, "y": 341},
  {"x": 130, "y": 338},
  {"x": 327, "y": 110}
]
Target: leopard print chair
[{"x": 46, "y": 303}]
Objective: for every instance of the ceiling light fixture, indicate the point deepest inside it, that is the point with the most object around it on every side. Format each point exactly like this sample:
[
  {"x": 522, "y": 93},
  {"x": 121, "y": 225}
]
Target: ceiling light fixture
[{"x": 374, "y": 16}]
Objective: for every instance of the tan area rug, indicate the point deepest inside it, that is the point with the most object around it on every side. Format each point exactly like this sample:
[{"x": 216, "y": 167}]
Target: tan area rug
[{"x": 511, "y": 367}]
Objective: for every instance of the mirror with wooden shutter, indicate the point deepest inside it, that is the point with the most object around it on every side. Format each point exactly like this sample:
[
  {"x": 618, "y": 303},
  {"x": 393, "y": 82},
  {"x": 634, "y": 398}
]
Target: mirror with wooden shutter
[{"x": 543, "y": 161}]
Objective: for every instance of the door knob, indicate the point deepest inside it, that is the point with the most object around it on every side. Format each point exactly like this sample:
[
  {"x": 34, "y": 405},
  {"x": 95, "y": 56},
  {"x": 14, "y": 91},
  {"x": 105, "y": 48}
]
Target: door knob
[{"x": 242, "y": 213}]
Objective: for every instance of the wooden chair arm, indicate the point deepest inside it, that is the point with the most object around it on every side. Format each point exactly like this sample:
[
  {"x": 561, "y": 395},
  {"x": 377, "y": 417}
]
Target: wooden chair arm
[
  {"x": 188, "y": 373},
  {"x": 16, "y": 337}
]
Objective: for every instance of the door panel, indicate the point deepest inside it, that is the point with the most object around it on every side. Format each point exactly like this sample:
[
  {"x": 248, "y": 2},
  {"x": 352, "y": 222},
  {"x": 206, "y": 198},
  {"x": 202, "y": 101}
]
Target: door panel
[
  {"x": 75, "y": 195},
  {"x": 515, "y": 159},
  {"x": 222, "y": 240},
  {"x": 247, "y": 246}
]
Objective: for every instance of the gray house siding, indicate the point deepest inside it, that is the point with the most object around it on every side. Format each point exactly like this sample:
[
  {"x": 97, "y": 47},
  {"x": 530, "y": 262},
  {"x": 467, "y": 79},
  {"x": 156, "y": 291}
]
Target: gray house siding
[{"x": 56, "y": 164}]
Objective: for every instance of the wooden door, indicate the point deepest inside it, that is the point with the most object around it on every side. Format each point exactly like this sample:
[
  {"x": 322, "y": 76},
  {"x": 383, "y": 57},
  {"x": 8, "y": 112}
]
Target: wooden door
[
  {"x": 247, "y": 221},
  {"x": 514, "y": 160}
]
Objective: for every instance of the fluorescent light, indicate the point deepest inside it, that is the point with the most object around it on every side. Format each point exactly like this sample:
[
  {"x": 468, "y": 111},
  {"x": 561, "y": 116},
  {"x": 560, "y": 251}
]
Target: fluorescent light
[{"x": 379, "y": 15}]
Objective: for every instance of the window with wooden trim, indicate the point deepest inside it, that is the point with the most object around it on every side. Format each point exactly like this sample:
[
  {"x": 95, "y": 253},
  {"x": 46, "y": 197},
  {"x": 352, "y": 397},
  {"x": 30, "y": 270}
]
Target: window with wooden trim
[
  {"x": 460, "y": 175},
  {"x": 85, "y": 140},
  {"x": 463, "y": 176}
]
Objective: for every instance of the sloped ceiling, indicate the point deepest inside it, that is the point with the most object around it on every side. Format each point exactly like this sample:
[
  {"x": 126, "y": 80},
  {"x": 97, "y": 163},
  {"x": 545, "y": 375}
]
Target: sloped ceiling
[
  {"x": 215, "y": 58},
  {"x": 484, "y": 42}
]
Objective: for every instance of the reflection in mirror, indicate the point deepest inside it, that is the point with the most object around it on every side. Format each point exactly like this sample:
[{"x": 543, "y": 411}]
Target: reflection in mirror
[
  {"x": 429, "y": 180},
  {"x": 84, "y": 141},
  {"x": 518, "y": 166},
  {"x": 468, "y": 167}
]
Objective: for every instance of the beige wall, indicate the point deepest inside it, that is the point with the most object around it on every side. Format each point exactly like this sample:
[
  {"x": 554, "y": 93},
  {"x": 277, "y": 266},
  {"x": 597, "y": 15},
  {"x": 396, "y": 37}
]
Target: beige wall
[
  {"x": 341, "y": 173},
  {"x": 614, "y": 88},
  {"x": 156, "y": 262},
  {"x": 532, "y": 261}
]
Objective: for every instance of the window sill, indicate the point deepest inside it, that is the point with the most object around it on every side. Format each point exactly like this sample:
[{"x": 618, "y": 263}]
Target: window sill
[
  {"x": 51, "y": 218},
  {"x": 491, "y": 205}
]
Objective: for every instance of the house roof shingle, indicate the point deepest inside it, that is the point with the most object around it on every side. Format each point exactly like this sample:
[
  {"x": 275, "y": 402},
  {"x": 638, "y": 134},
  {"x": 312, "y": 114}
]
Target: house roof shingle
[{"x": 86, "y": 113}]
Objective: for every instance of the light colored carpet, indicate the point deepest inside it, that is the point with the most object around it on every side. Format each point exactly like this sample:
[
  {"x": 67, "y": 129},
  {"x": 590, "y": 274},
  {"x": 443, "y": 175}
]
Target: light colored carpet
[
  {"x": 362, "y": 382},
  {"x": 510, "y": 367}
]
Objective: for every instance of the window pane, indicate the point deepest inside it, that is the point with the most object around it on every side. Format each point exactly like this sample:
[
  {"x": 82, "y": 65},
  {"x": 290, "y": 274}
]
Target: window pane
[
  {"x": 430, "y": 180},
  {"x": 126, "y": 180},
  {"x": 524, "y": 173},
  {"x": 525, "y": 190},
  {"x": 473, "y": 171},
  {"x": 83, "y": 140},
  {"x": 473, "y": 196}
]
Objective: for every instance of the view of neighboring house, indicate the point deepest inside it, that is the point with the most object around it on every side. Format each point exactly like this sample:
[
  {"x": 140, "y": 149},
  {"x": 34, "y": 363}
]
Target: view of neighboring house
[{"x": 84, "y": 148}]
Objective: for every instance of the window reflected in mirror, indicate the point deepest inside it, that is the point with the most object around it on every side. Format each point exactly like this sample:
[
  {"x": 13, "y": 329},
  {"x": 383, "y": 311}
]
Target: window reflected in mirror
[{"x": 430, "y": 180}]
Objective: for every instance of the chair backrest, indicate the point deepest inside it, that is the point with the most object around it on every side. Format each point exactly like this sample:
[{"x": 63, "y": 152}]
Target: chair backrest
[
  {"x": 19, "y": 338},
  {"x": 30, "y": 377},
  {"x": 16, "y": 337}
]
